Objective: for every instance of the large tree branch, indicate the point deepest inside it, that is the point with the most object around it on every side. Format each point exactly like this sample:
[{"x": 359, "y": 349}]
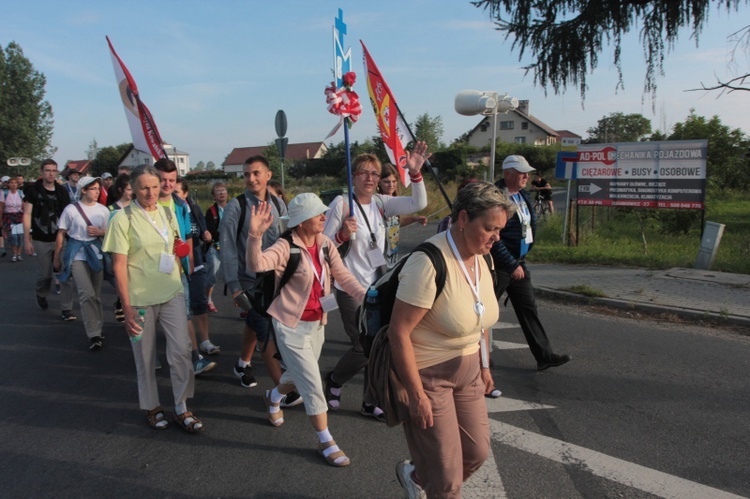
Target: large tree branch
[{"x": 728, "y": 86}]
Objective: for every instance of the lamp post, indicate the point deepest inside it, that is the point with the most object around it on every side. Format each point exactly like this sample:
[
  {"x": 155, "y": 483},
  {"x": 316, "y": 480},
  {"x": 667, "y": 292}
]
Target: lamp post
[
  {"x": 473, "y": 102},
  {"x": 18, "y": 161}
]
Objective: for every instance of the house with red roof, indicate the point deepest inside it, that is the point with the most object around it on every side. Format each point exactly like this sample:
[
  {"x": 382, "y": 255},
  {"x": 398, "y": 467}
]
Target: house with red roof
[
  {"x": 294, "y": 152},
  {"x": 521, "y": 127}
]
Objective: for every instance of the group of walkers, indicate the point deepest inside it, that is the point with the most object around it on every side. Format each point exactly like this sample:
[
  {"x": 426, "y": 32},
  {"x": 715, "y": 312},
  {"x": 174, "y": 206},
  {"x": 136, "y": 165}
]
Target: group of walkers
[{"x": 165, "y": 256}]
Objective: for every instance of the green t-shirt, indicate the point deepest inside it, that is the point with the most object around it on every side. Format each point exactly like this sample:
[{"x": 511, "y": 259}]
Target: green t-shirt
[{"x": 139, "y": 240}]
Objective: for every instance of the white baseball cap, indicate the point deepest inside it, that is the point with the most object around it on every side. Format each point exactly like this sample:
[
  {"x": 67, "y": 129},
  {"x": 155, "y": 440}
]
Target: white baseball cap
[
  {"x": 517, "y": 163},
  {"x": 86, "y": 181}
]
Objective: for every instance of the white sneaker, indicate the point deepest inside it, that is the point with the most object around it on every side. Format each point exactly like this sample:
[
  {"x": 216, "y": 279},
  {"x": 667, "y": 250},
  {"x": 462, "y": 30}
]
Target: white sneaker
[
  {"x": 209, "y": 348},
  {"x": 404, "y": 470}
]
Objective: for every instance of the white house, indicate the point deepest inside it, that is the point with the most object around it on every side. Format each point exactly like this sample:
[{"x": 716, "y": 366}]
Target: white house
[
  {"x": 294, "y": 152},
  {"x": 133, "y": 157}
]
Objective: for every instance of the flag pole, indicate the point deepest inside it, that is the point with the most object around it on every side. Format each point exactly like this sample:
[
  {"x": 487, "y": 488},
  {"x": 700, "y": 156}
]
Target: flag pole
[
  {"x": 427, "y": 163},
  {"x": 349, "y": 169}
]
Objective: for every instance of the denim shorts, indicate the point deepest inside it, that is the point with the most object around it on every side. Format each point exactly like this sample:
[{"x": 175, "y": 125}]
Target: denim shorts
[
  {"x": 198, "y": 300},
  {"x": 259, "y": 324}
]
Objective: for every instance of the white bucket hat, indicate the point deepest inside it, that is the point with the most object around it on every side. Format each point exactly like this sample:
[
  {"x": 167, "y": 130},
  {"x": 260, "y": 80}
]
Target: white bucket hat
[
  {"x": 303, "y": 207},
  {"x": 517, "y": 163}
]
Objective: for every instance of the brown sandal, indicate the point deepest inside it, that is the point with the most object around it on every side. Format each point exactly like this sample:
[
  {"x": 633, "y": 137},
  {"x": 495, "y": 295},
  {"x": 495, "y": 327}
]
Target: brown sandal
[
  {"x": 156, "y": 419},
  {"x": 188, "y": 422},
  {"x": 275, "y": 418},
  {"x": 334, "y": 457}
]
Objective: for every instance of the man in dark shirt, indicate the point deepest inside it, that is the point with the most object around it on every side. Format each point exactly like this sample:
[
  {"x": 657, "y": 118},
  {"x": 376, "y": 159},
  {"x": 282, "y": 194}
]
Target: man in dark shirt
[
  {"x": 509, "y": 255},
  {"x": 43, "y": 203},
  {"x": 544, "y": 191}
]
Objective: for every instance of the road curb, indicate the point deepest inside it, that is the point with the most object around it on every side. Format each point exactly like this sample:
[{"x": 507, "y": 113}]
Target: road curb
[{"x": 685, "y": 313}]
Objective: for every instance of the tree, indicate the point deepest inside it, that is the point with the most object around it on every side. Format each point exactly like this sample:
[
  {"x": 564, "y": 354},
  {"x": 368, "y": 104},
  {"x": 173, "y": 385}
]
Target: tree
[
  {"x": 741, "y": 40},
  {"x": 108, "y": 158},
  {"x": 619, "y": 127},
  {"x": 429, "y": 130},
  {"x": 727, "y": 166},
  {"x": 201, "y": 166},
  {"x": 566, "y": 37},
  {"x": 26, "y": 119},
  {"x": 92, "y": 150},
  {"x": 210, "y": 165}
]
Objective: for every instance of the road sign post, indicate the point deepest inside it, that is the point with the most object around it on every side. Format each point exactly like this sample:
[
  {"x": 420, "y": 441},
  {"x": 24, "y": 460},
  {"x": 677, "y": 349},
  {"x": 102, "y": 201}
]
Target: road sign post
[{"x": 281, "y": 141}]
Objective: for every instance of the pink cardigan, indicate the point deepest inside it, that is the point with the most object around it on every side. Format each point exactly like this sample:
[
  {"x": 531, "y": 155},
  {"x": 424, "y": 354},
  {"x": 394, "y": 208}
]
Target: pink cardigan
[{"x": 290, "y": 304}]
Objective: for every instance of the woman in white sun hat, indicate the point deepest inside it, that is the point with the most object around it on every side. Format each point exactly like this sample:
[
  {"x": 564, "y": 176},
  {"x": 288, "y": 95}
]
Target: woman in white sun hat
[{"x": 299, "y": 311}]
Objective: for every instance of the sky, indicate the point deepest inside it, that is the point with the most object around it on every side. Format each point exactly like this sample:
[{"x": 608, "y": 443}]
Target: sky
[{"x": 214, "y": 74}]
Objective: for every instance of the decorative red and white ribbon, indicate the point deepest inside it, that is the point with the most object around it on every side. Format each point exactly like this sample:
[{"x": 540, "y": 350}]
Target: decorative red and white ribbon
[{"x": 343, "y": 102}]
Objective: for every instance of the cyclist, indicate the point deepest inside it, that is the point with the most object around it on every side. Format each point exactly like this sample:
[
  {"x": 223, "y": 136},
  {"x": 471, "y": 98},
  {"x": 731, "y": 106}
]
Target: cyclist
[{"x": 543, "y": 191}]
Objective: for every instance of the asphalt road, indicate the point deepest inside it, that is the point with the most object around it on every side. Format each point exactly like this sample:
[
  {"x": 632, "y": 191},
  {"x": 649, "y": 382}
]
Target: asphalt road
[{"x": 643, "y": 410}]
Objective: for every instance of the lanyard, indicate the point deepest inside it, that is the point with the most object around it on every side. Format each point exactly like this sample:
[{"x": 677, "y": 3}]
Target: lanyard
[
  {"x": 373, "y": 239},
  {"x": 164, "y": 233},
  {"x": 478, "y": 305},
  {"x": 320, "y": 277},
  {"x": 523, "y": 209}
]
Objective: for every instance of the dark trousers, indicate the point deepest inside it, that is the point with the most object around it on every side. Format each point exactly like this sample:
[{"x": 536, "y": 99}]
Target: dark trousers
[{"x": 521, "y": 294}]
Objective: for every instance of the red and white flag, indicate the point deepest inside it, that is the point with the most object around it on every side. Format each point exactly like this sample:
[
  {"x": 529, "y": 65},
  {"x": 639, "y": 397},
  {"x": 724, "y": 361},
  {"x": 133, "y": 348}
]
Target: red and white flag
[
  {"x": 393, "y": 129},
  {"x": 145, "y": 135}
]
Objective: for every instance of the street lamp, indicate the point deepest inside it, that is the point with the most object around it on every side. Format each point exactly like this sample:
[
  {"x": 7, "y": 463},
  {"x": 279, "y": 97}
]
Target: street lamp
[
  {"x": 473, "y": 102},
  {"x": 18, "y": 162}
]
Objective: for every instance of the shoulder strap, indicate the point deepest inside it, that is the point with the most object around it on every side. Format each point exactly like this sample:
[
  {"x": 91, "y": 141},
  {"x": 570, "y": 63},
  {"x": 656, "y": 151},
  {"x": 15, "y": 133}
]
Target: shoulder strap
[
  {"x": 80, "y": 210},
  {"x": 241, "y": 221},
  {"x": 213, "y": 210},
  {"x": 436, "y": 257},
  {"x": 295, "y": 256}
]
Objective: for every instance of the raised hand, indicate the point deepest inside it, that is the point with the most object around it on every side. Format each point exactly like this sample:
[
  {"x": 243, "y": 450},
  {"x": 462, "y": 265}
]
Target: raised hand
[
  {"x": 416, "y": 158},
  {"x": 260, "y": 219}
]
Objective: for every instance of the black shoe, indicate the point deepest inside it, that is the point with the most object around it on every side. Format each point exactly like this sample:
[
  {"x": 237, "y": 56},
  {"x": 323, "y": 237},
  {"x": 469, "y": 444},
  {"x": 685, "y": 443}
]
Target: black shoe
[
  {"x": 372, "y": 411},
  {"x": 554, "y": 360},
  {"x": 57, "y": 289},
  {"x": 67, "y": 315},
  {"x": 247, "y": 378},
  {"x": 333, "y": 400},
  {"x": 96, "y": 343},
  {"x": 291, "y": 399},
  {"x": 41, "y": 302}
]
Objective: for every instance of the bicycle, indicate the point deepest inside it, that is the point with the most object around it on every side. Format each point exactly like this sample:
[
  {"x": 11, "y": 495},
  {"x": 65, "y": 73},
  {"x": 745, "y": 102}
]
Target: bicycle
[{"x": 540, "y": 207}]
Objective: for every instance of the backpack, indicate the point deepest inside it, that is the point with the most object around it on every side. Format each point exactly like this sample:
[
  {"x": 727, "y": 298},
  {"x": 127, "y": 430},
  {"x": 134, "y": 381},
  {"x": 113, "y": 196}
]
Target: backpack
[
  {"x": 243, "y": 207},
  {"x": 264, "y": 292},
  {"x": 384, "y": 388}
]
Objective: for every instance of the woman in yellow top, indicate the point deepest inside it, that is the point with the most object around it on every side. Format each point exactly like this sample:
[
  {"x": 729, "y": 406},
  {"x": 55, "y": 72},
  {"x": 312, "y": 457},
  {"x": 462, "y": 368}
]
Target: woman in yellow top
[
  {"x": 141, "y": 238},
  {"x": 440, "y": 349}
]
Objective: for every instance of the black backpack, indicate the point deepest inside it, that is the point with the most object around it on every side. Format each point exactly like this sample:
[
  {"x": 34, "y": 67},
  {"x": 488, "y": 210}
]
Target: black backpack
[
  {"x": 264, "y": 292},
  {"x": 388, "y": 285}
]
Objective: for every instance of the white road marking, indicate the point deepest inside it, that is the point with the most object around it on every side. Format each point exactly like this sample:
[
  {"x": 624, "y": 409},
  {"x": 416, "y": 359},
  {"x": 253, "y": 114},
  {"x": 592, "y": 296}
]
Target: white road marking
[
  {"x": 507, "y": 345},
  {"x": 608, "y": 467},
  {"x": 505, "y": 404},
  {"x": 486, "y": 482},
  {"x": 504, "y": 325}
]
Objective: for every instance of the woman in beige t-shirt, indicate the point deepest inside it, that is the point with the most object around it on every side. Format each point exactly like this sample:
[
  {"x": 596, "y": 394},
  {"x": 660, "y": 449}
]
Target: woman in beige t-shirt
[{"x": 440, "y": 349}]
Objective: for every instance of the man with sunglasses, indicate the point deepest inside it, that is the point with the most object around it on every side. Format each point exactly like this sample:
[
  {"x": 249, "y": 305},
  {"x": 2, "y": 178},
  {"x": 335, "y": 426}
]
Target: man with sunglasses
[{"x": 516, "y": 240}]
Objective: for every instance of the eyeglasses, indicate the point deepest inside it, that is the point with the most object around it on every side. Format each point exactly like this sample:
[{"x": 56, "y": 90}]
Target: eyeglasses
[{"x": 368, "y": 174}]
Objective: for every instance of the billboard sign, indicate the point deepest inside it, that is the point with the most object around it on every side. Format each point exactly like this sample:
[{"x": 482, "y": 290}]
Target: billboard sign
[{"x": 667, "y": 174}]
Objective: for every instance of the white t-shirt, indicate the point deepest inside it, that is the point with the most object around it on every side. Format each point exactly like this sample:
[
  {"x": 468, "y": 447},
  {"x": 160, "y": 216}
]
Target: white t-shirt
[
  {"x": 356, "y": 260},
  {"x": 72, "y": 221}
]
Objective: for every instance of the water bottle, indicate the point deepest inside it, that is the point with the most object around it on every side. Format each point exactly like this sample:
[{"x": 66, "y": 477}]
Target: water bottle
[
  {"x": 372, "y": 311},
  {"x": 142, "y": 320}
]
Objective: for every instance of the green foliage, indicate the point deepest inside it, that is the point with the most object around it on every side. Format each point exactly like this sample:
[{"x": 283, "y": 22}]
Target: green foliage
[
  {"x": 619, "y": 127},
  {"x": 333, "y": 162},
  {"x": 727, "y": 167},
  {"x": 675, "y": 222},
  {"x": 199, "y": 167},
  {"x": 26, "y": 119},
  {"x": 430, "y": 130},
  {"x": 617, "y": 239},
  {"x": 210, "y": 165},
  {"x": 108, "y": 158},
  {"x": 565, "y": 38}
]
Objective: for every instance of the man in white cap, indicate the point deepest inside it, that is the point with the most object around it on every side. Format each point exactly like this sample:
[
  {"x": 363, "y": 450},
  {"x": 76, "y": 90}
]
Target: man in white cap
[
  {"x": 509, "y": 254},
  {"x": 106, "y": 185}
]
